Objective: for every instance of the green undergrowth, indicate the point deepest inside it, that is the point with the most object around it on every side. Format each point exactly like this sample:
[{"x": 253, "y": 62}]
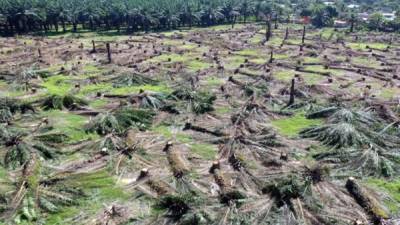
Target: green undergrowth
[
  {"x": 135, "y": 89},
  {"x": 391, "y": 187},
  {"x": 293, "y": 125},
  {"x": 100, "y": 188},
  {"x": 69, "y": 123},
  {"x": 170, "y": 132},
  {"x": 58, "y": 85},
  {"x": 204, "y": 150},
  {"x": 363, "y": 46}
]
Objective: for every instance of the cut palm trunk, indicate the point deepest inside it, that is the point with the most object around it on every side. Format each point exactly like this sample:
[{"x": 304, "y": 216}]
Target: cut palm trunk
[
  {"x": 178, "y": 167},
  {"x": 370, "y": 205}
]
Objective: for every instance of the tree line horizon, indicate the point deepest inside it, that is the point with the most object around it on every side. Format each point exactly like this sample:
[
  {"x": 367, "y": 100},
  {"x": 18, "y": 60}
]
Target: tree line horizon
[{"x": 25, "y": 16}]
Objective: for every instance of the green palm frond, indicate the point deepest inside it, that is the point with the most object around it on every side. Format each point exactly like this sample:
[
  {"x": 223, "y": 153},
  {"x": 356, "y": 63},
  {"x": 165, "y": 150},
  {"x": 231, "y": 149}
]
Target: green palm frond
[
  {"x": 367, "y": 160},
  {"x": 9, "y": 106},
  {"x": 336, "y": 135},
  {"x": 152, "y": 100},
  {"x": 61, "y": 102},
  {"x": 120, "y": 120},
  {"x": 127, "y": 80},
  {"x": 199, "y": 102},
  {"x": 104, "y": 123}
]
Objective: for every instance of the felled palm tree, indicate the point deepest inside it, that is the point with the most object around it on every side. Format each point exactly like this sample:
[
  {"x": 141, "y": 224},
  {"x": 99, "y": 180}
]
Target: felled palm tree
[
  {"x": 127, "y": 80},
  {"x": 60, "y": 102},
  {"x": 199, "y": 102},
  {"x": 38, "y": 191},
  {"x": 9, "y": 107},
  {"x": 120, "y": 120},
  {"x": 356, "y": 143},
  {"x": 20, "y": 146}
]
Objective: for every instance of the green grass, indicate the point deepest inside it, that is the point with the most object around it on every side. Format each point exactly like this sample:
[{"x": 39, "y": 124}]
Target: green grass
[
  {"x": 311, "y": 60},
  {"x": 392, "y": 188},
  {"x": 223, "y": 110},
  {"x": 364, "y": 61},
  {"x": 93, "y": 88},
  {"x": 259, "y": 60},
  {"x": 167, "y": 132},
  {"x": 69, "y": 123},
  {"x": 388, "y": 93},
  {"x": 293, "y": 125},
  {"x": 98, "y": 103},
  {"x": 174, "y": 58},
  {"x": 195, "y": 65},
  {"x": 135, "y": 89},
  {"x": 363, "y": 46},
  {"x": 281, "y": 56},
  {"x": 214, "y": 81},
  {"x": 257, "y": 39},
  {"x": 101, "y": 189},
  {"x": 275, "y": 41},
  {"x": 233, "y": 62},
  {"x": 58, "y": 85},
  {"x": 284, "y": 75},
  {"x": 249, "y": 52},
  {"x": 205, "y": 151}
]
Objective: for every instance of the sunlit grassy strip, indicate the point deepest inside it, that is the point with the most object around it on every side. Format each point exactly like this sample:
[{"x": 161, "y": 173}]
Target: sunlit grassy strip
[
  {"x": 204, "y": 150},
  {"x": 392, "y": 187},
  {"x": 70, "y": 124},
  {"x": 101, "y": 189},
  {"x": 188, "y": 59},
  {"x": 363, "y": 46},
  {"x": 108, "y": 88},
  {"x": 293, "y": 125},
  {"x": 58, "y": 85}
]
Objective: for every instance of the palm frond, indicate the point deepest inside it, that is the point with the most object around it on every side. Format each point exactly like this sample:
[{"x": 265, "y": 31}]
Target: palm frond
[
  {"x": 127, "y": 80},
  {"x": 120, "y": 120},
  {"x": 61, "y": 102}
]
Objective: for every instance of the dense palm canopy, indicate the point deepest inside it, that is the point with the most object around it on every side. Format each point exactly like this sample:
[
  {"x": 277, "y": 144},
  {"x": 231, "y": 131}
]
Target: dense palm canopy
[{"x": 44, "y": 15}]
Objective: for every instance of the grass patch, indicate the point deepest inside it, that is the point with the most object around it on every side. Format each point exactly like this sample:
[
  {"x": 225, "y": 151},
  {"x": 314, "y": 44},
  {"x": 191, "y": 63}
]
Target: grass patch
[
  {"x": 100, "y": 188},
  {"x": 205, "y": 151},
  {"x": 57, "y": 85},
  {"x": 93, "y": 88},
  {"x": 233, "y": 62},
  {"x": 275, "y": 41},
  {"x": 69, "y": 123},
  {"x": 214, "y": 81},
  {"x": 284, "y": 75},
  {"x": 169, "y": 133},
  {"x": 174, "y": 58},
  {"x": 363, "y": 46},
  {"x": 293, "y": 125},
  {"x": 98, "y": 103},
  {"x": 311, "y": 60},
  {"x": 223, "y": 110},
  {"x": 388, "y": 93},
  {"x": 364, "y": 61},
  {"x": 392, "y": 188},
  {"x": 195, "y": 65},
  {"x": 135, "y": 89},
  {"x": 249, "y": 52}
]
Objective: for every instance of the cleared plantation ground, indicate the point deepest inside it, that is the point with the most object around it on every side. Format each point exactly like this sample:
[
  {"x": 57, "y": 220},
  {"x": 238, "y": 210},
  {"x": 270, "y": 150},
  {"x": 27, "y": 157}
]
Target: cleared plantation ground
[{"x": 194, "y": 127}]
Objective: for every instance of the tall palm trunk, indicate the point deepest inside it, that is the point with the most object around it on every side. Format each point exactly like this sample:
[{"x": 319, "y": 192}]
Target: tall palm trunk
[
  {"x": 268, "y": 31},
  {"x": 74, "y": 27}
]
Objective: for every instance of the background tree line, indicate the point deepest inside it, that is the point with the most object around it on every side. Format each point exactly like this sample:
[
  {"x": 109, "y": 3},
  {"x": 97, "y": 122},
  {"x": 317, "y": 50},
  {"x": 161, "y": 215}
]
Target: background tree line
[{"x": 21, "y": 16}]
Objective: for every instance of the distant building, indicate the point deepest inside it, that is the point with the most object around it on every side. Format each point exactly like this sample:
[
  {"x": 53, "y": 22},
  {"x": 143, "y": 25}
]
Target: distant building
[
  {"x": 389, "y": 16},
  {"x": 329, "y": 3},
  {"x": 353, "y": 6},
  {"x": 363, "y": 16},
  {"x": 340, "y": 23}
]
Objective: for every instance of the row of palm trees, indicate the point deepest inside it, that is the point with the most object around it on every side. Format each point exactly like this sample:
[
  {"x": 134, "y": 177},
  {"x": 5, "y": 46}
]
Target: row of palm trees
[{"x": 19, "y": 16}]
